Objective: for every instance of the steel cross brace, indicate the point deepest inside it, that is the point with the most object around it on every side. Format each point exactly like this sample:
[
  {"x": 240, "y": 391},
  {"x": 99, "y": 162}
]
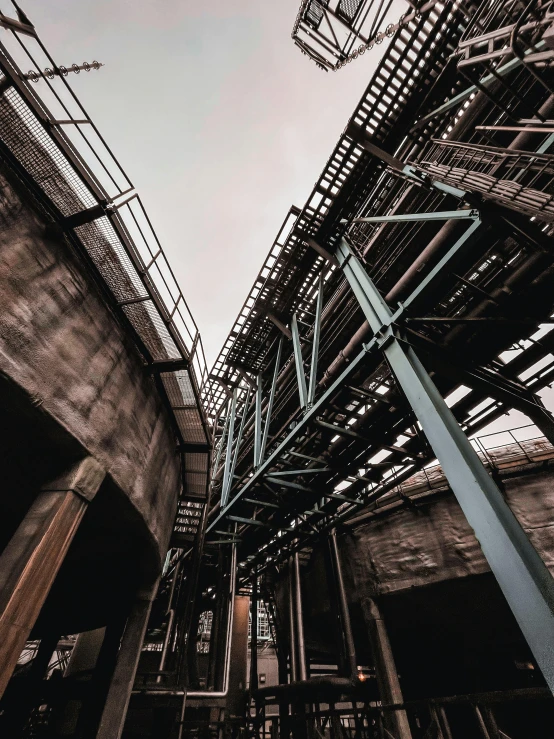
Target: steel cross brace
[
  {"x": 521, "y": 573},
  {"x": 310, "y": 414},
  {"x": 426, "y": 284}
]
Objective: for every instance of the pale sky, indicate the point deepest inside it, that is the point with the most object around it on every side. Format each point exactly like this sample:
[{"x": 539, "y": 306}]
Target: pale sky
[{"x": 219, "y": 120}]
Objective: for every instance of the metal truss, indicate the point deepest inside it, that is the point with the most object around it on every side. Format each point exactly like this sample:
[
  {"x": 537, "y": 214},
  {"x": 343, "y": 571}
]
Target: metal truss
[{"x": 396, "y": 270}]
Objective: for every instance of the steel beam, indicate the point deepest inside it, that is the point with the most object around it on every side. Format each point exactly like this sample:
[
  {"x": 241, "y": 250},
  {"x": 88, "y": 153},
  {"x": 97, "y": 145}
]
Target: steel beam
[
  {"x": 227, "y": 479},
  {"x": 297, "y": 430},
  {"x": 271, "y": 399},
  {"x": 245, "y": 409},
  {"x": 258, "y": 422},
  {"x": 522, "y": 575},
  {"x": 315, "y": 345},
  {"x": 446, "y": 215},
  {"x": 299, "y": 362}
]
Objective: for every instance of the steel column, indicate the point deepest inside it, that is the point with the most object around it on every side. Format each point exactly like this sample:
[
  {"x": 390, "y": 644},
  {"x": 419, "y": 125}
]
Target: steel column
[
  {"x": 269, "y": 409},
  {"x": 315, "y": 345},
  {"x": 385, "y": 669},
  {"x": 299, "y": 362},
  {"x": 299, "y": 617},
  {"x": 348, "y": 639},
  {"x": 522, "y": 575},
  {"x": 293, "y": 667},
  {"x": 245, "y": 409},
  {"x": 119, "y": 694},
  {"x": 229, "y": 453},
  {"x": 258, "y": 423}
]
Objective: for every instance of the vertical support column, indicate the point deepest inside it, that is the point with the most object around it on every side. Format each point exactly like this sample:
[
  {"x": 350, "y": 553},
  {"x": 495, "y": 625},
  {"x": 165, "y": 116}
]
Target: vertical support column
[
  {"x": 385, "y": 669},
  {"x": 258, "y": 423},
  {"x": 348, "y": 639},
  {"x": 299, "y": 362},
  {"x": 292, "y": 627},
  {"x": 299, "y": 617},
  {"x": 226, "y": 485},
  {"x": 271, "y": 399},
  {"x": 33, "y": 557},
  {"x": 254, "y": 637},
  {"x": 119, "y": 694},
  {"x": 245, "y": 409},
  {"x": 315, "y": 345},
  {"x": 522, "y": 575}
]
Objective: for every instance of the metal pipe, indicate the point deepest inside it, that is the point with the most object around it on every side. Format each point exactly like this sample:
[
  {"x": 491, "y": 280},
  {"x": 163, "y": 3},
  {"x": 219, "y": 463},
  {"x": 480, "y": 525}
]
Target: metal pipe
[
  {"x": 254, "y": 637},
  {"x": 349, "y": 648},
  {"x": 300, "y": 641},
  {"x": 165, "y": 647},
  {"x": 330, "y": 682},
  {"x": 220, "y": 693},
  {"x": 292, "y": 628},
  {"x": 390, "y": 691}
]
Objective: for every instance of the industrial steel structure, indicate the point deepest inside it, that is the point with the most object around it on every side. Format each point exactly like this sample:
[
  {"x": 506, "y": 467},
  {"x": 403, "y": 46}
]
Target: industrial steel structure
[
  {"x": 419, "y": 270},
  {"x": 404, "y": 308}
]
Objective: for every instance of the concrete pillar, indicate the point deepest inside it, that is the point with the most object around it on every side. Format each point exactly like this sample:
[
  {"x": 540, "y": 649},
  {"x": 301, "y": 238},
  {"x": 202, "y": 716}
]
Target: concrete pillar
[
  {"x": 119, "y": 693},
  {"x": 33, "y": 557},
  {"x": 238, "y": 657},
  {"x": 387, "y": 676}
]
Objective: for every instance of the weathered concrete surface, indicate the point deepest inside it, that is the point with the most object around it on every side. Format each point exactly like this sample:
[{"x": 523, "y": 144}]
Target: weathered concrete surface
[
  {"x": 61, "y": 343},
  {"x": 432, "y": 543},
  {"x": 450, "y": 627}
]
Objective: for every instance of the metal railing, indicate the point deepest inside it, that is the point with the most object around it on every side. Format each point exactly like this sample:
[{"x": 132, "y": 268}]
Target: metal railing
[
  {"x": 475, "y": 716},
  {"x": 50, "y": 135},
  {"x": 521, "y": 180}
]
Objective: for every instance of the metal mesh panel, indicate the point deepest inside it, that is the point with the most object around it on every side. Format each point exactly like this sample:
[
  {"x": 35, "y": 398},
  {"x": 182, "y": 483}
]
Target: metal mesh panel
[
  {"x": 39, "y": 155},
  {"x": 149, "y": 326},
  {"x": 194, "y": 461},
  {"x": 178, "y": 388},
  {"x": 111, "y": 259},
  {"x": 190, "y": 426},
  {"x": 314, "y": 13},
  {"x": 195, "y": 483},
  {"x": 349, "y": 8}
]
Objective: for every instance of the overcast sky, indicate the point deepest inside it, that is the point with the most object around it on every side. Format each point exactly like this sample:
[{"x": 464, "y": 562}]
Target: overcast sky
[{"x": 219, "y": 120}]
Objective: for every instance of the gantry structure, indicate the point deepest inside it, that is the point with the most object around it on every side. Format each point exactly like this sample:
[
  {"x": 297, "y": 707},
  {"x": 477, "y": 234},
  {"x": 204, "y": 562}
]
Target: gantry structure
[{"x": 407, "y": 304}]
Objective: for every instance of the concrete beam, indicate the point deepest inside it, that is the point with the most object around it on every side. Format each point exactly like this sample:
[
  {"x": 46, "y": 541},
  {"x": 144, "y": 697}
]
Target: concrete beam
[{"x": 35, "y": 553}]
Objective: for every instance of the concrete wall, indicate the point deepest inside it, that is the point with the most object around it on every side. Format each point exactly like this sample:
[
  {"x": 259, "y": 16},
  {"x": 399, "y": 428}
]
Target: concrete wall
[
  {"x": 64, "y": 354},
  {"x": 433, "y": 542}
]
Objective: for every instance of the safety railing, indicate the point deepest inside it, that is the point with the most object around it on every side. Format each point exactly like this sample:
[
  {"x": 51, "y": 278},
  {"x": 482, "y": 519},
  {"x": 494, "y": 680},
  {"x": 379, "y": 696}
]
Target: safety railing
[
  {"x": 476, "y": 716},
  {"x": 47, "y": 130}
]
